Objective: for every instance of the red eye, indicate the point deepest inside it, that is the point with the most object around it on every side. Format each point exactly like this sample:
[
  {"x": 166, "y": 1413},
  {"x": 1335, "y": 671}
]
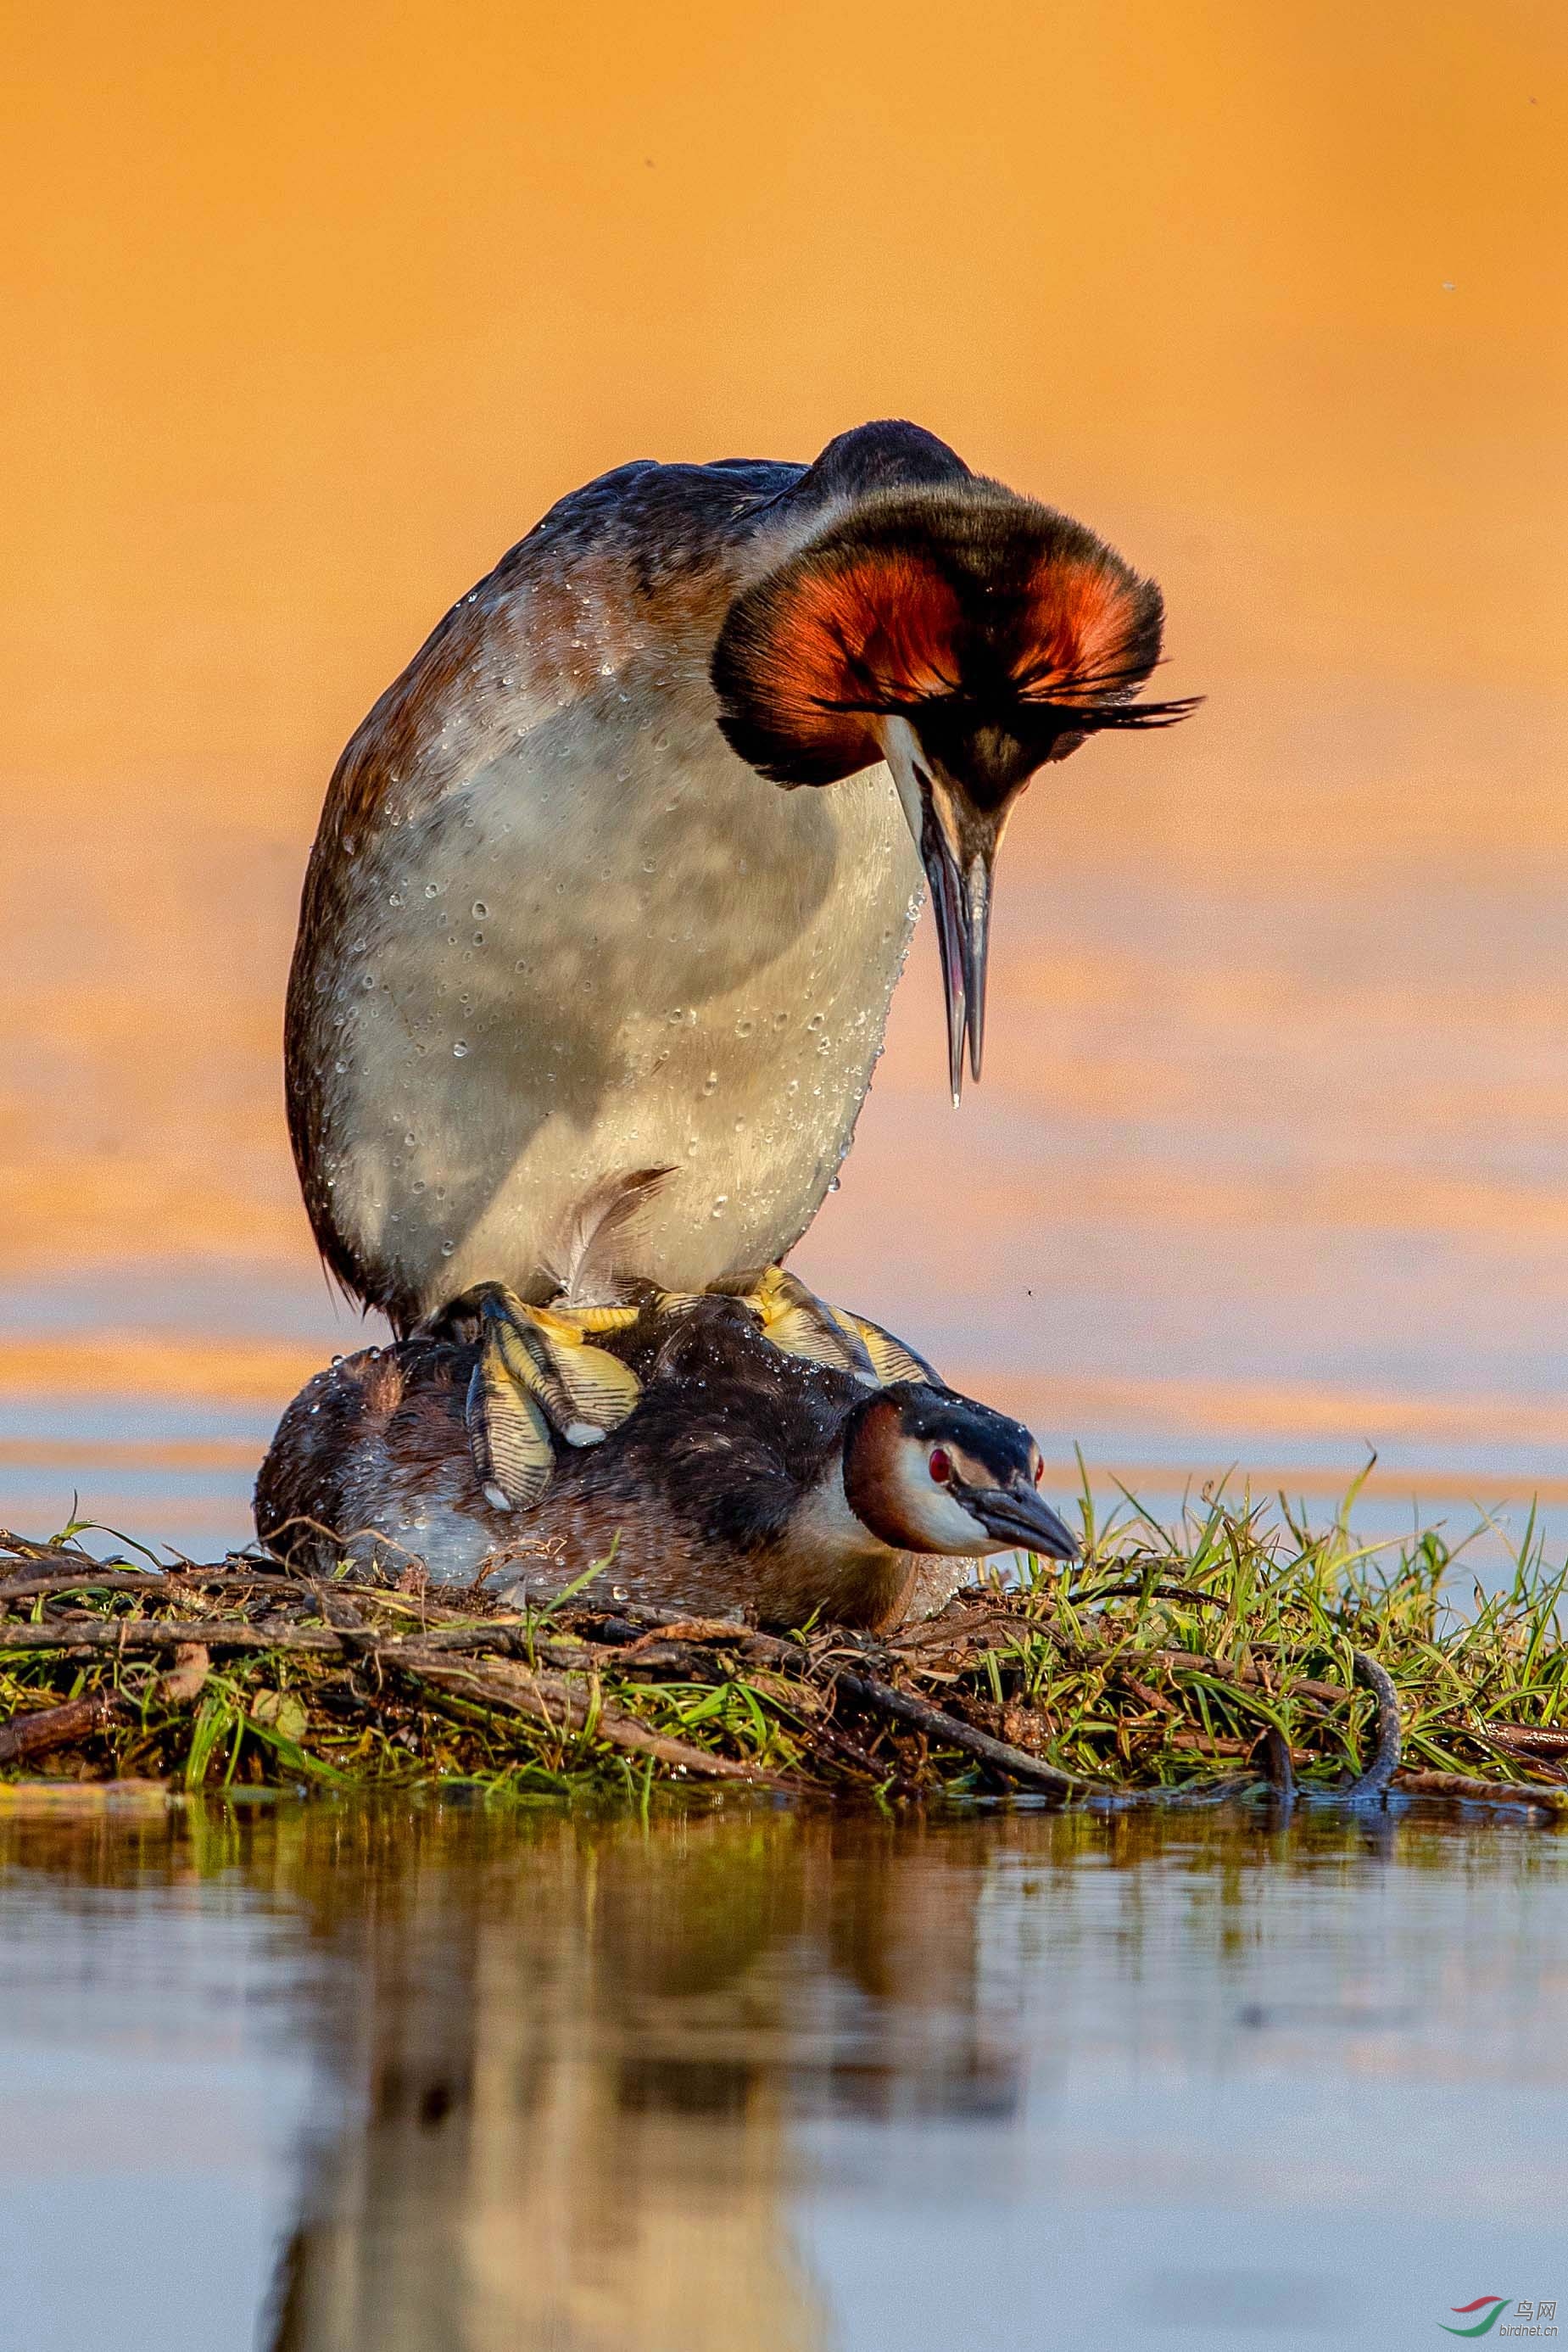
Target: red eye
[
  {"x": 940, "y": 1464},
  {"x": 1039, "y": 1468}
]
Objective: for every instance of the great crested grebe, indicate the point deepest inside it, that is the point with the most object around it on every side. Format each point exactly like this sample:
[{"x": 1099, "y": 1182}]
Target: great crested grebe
[
  {"x": 746, "y": 1480},
  {"x": 558, "y": 929}
]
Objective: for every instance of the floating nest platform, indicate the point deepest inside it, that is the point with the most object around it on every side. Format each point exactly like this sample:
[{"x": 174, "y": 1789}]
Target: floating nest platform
[{"x": 1242, "y": 1660}]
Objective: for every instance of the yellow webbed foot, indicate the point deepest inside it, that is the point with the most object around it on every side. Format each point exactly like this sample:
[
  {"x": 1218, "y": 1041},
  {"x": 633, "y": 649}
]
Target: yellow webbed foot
[
  {"x": 601, "y": 1389},
  {"x": 800, "y": 1323},
  {"x": 539, "y": 1378},
  {"x": 509, "y": 1436},
  {"x": 892, "y": 1358}
]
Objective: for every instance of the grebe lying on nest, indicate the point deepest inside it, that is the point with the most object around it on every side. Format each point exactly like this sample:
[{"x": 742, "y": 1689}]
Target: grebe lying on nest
[{"x": 745, "y": 1478}]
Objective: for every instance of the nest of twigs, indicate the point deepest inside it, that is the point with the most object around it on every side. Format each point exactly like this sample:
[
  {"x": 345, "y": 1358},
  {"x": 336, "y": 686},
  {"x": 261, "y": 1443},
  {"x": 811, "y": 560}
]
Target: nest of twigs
[{"x": 1242, "y": 1661}]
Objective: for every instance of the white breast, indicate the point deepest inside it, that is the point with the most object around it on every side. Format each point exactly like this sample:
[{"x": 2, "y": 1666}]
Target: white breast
[{"x": 613, "y": 946}]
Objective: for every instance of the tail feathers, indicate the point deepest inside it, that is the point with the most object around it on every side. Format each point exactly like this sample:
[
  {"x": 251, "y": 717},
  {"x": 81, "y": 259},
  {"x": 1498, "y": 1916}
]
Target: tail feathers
[{"x": 590, "y": 1263}]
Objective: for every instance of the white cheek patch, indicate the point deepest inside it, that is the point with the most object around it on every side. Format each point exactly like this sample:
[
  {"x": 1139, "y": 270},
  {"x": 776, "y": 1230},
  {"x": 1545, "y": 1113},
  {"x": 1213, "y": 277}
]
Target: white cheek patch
[
  {"x": 826, "y": 1529},
  {"x": 946, "y": 1526},
  {"x": 931, "y": 1513}
]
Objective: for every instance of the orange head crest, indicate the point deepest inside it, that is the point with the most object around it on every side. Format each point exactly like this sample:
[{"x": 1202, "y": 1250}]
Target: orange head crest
[{"x": 969, "y": 637}]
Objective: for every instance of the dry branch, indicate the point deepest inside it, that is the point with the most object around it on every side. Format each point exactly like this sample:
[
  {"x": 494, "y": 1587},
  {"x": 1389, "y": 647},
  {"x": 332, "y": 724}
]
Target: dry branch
[
  {"x": 554, "y": 1702},
  {"x": 1108, "y": 1694}
]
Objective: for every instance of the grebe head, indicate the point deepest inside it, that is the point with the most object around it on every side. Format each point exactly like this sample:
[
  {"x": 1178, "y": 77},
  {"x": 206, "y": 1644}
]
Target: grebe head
[
  {"x": 929, "y": 1471},
  {"x": 969, "y": 637}
]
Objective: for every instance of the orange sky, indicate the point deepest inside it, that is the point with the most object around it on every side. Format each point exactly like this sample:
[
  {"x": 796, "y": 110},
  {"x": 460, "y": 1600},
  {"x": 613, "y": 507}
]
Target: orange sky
[{"x": 311, "y": 310}]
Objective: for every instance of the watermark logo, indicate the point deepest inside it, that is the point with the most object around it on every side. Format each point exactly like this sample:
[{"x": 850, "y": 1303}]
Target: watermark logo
[{"x": 1526, "y": 2318}]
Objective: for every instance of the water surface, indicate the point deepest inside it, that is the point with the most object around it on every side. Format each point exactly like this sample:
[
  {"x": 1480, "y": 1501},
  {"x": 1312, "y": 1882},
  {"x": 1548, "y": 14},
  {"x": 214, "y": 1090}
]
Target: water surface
[{"x": 422, "y": 2075}]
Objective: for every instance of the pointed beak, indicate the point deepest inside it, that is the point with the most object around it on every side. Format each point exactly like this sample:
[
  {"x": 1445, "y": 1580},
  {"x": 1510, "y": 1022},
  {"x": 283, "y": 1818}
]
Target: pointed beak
[
  {"x": 960, "y": 881},
  {"x": 1019, "y": 1517},
  {"x": 957, "y": 844}
]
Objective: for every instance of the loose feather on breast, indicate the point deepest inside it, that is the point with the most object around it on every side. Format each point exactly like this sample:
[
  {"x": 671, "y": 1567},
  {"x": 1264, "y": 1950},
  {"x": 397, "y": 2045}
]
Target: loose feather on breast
[{"x": 594, "y": 1262}]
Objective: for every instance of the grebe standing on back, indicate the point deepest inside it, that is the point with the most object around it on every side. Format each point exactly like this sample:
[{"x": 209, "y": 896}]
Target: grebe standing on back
[{"x": 557, "y": 929}]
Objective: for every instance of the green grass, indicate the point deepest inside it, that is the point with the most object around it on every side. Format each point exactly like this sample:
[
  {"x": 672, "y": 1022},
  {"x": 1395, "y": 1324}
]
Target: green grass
[{"x": 1166, "y": 1666}]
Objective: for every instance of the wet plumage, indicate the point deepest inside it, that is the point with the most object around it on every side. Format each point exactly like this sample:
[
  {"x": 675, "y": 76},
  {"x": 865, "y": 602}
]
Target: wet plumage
[
  {"x": 746, "y": 1480},
  {"x": 561, "y": 922}
]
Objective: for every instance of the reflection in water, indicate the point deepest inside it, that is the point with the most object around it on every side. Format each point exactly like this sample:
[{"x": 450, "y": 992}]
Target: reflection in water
[
  {"x": 577, "y": 2078},
  {"x": 741, "y": 2075}
]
